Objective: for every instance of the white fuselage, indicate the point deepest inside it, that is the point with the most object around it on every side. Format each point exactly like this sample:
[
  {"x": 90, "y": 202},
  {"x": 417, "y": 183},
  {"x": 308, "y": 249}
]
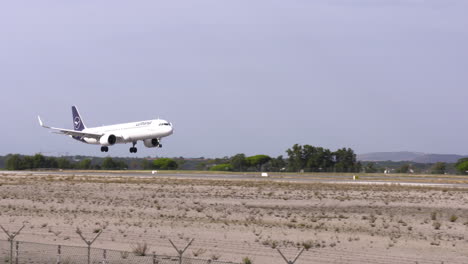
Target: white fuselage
[
  {"x": 131, "y": 132},
  {"x": 149, "y": 131}
]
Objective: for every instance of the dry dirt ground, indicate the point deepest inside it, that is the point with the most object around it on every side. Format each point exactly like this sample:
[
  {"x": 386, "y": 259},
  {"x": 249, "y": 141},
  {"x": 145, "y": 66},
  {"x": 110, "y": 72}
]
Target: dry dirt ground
[{"x": 232, "y": 219}]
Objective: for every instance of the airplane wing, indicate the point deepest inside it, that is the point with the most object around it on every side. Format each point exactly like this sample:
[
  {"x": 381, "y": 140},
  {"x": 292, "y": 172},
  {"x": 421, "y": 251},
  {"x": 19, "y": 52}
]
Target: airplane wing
[{"x": 71, "y": 132}]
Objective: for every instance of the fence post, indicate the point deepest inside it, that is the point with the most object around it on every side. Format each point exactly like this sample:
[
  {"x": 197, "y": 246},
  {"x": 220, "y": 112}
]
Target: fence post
[
  {"x": 59, "y": 253},
  {"x": 11, "y": 251},
  {"x": 11, "y": 238},
  {"x": 181, "y": 252},
  {"x": 154, "y": 258},
  {"x": 104, "y": 252},
  {"x": 88, "y": 242},
  {"x": 17, "y": 252},
  {"x": 291, "y": 261}
]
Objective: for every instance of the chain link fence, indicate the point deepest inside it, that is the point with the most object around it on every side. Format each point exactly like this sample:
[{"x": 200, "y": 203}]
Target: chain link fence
[
  {"x": 4, "y": 250},
  {"x": 38, "y": 253}
]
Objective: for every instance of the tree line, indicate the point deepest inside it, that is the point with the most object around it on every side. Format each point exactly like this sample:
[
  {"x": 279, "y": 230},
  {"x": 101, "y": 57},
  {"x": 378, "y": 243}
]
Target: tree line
[
  {"x": 300, "y": 158},
  {"x": 460, "y": 167},
  {"x": 39, "y": 161}
]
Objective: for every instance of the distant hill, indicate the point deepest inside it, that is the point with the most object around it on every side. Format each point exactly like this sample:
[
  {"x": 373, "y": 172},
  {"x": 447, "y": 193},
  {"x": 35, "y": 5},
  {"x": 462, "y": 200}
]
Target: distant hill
[
  {"x": 392, "y": 156},
  {"x": 433, "y": 158},
  {"x": 417, "y": 157}
]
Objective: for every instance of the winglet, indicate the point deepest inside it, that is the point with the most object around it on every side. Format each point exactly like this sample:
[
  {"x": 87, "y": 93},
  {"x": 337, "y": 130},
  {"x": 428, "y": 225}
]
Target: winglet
[{"x": 41, "y": 123}]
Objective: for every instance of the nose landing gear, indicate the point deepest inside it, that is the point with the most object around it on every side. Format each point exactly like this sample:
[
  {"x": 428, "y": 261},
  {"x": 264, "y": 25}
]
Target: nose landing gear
[{"x": 104, "y": 149}]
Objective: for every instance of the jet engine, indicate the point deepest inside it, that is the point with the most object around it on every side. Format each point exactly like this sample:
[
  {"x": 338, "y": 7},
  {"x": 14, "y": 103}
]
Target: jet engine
[
  {"x": 107, "y": 140},
  {"x": 151, "y": 143}
]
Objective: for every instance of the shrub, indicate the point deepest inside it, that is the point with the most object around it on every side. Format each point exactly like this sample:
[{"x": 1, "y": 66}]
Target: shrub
[
  {"x": 453, "y": 218},
  {"x": 198, "y": 252},
  {"x": 307, "y": 244},
  {"x": 140, "y": 249},
  {"x": 246, "y": 260}
]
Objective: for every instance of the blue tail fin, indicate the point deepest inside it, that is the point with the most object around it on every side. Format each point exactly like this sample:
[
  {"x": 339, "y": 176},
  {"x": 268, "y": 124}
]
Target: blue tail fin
[{"x": 78, "y": 124}]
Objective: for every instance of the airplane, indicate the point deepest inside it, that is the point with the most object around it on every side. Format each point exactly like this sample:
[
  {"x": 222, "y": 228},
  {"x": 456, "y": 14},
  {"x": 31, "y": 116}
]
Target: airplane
[{"x": 149, "y": 131}]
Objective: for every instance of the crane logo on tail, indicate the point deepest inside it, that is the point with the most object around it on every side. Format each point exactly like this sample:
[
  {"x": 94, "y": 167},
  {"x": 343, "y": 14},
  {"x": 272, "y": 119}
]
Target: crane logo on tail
[{"x": 77, "y": 122}]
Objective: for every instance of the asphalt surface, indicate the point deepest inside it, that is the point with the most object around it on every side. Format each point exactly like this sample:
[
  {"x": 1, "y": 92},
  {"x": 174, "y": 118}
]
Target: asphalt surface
[{"x": 410, "y": 180}]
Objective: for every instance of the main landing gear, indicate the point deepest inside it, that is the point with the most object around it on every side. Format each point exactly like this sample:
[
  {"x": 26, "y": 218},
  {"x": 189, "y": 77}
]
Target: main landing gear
[
  {"x": 133, "y": 149},
  {"x": 104, "y": 149}
]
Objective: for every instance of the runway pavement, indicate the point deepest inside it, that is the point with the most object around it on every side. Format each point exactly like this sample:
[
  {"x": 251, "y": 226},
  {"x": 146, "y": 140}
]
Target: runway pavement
[{"x": 453, "y": 181}]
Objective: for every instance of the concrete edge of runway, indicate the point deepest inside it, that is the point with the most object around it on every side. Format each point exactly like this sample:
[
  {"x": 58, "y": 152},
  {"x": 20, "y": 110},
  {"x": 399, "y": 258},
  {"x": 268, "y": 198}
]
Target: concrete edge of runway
[{"x": 332, "y": 179}]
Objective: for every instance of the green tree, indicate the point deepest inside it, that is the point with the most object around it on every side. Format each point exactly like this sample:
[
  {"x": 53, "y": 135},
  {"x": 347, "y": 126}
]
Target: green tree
[
  {"x": 27, "y": 163},
  {"x": 439, "y": 168},
  {"x": 296, "y": 160},
  {"x": 84, "y": 164},
  {"x": 462, "y": 166},
  {"x": 165, "y": 164},
  {"x": 345, "y": 161},
  {"x": 121, "y": 165},
  {"x": 317, "y": 159},
  {"x": 39, "y": 161},
  {"x": 405, "y": 168},
  {"x": 108, "y": 164},
  {"x": 325, "y": 159},
  {"x": 63, "y": 163},
  {"x": 50, "y": 162},
  {"x": 239, "y": 162},
  {"x": 277, "y": 164},
  {"x": 14, "y": 162},
  {"x": 221, "y": 167},
  {"x": 257, "y": 161}
]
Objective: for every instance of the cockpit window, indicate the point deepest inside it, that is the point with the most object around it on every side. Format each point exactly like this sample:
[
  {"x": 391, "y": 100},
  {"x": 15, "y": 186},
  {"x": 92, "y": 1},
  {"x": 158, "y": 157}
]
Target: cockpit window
[{"x": 165, "y": 124}]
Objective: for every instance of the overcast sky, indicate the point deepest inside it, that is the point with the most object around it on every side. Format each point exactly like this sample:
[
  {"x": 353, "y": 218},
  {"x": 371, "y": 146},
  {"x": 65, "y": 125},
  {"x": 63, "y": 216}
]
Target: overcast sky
[{"x": 249, "y": 76}]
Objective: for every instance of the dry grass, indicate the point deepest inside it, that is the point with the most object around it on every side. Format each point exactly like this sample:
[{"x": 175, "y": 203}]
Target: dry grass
[{"x": 230, "y": 216}]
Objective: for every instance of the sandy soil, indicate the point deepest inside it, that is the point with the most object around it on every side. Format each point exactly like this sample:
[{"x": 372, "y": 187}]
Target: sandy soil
[{"x": 232, "y": 219}]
